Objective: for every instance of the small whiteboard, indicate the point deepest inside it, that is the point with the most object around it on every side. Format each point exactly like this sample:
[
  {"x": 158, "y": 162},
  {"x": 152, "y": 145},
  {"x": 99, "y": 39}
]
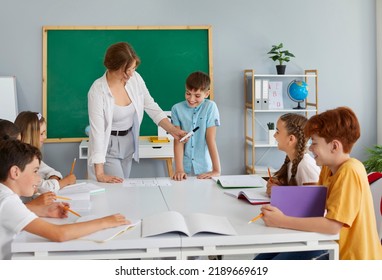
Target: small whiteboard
[{"x": 8, "y": 98}]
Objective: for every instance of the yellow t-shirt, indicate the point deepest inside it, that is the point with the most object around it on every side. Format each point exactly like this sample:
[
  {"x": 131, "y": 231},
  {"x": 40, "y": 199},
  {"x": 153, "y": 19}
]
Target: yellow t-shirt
[{"x": 349, "y": 201}]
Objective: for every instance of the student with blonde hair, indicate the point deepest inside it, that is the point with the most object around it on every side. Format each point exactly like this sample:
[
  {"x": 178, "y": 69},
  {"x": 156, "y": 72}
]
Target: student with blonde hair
[{"x": 33, "y": 131}]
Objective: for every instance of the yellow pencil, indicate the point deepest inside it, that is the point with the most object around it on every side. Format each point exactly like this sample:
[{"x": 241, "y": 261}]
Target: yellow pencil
[
  {"x": 269, "y": 174},
  {"x": 73, "y": 164},
  {"x": 63, "y": 197},
  {"x": 256, "y": 218},
  {"x": 71, "y": 211}
]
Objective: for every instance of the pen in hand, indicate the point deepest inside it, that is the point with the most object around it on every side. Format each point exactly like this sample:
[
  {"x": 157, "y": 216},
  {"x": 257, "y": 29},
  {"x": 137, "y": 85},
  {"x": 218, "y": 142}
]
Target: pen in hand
[
  {"x": 269, "y": 174},
  {"x": 73, "y": 164},
  {"x": 72, "y": 211},
  {"x": 189, "y": 134},
  {"x": 256, "y": 218}
]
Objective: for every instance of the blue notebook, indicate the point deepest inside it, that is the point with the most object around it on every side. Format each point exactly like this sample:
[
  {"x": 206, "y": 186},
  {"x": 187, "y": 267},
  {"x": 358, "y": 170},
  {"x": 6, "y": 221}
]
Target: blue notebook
[{"x": 300, "y": 201}]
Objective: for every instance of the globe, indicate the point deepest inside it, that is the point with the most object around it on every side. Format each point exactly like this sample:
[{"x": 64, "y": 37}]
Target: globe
[
  {"x": 298, "y": 91},
  {"x": 87, "y": 130}
]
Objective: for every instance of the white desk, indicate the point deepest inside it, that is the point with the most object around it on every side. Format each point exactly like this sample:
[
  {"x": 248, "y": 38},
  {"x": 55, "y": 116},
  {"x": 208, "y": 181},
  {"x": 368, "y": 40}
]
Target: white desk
[
  {"x": 187, "y": 196},
  {"x": 204, "y": 196},
  {"x": 147, "y": 149},
  {"x": 135, "y": 203}
]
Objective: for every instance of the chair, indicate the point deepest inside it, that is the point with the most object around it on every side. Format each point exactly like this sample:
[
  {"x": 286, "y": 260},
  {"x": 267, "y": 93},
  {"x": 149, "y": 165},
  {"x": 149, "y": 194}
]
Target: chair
[{"x": 375, "y": 182}]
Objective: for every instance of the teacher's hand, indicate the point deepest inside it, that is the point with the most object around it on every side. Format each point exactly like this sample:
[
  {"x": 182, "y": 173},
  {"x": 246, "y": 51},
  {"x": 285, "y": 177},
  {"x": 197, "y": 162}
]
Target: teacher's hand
[
  {"x": 178, "y": 134},
  {"x": 108, "y": 179}
]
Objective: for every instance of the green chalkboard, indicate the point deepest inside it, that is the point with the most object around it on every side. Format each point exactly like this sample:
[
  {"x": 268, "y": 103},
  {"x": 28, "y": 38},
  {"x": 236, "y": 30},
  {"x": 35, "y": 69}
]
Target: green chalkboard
[{"x": 73, "y": 59}]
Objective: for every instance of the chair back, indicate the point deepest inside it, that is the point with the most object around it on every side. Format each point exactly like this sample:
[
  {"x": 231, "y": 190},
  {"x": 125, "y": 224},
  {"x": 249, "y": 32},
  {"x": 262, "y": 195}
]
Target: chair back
[{"x": 375, "y": 181}]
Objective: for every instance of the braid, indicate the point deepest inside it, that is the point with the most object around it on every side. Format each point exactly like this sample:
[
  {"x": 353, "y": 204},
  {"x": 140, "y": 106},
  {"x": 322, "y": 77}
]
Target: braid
[
  {"x": 300, "y": 148},
  {"x": 282, "y": 174}
]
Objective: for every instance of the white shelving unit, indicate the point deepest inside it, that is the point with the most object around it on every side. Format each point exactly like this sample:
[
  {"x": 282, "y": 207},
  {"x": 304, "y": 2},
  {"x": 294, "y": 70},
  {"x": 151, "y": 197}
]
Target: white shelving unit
[{"x": 256, "y": 136}]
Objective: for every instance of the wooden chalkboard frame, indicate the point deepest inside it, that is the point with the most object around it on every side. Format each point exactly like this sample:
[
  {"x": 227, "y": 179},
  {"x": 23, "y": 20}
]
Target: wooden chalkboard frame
[{"x": 56, "y": 117}]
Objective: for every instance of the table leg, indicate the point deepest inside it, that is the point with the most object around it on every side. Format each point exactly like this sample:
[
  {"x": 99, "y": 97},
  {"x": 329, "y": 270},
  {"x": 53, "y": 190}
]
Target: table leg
[{"x": 169, "y": 167}]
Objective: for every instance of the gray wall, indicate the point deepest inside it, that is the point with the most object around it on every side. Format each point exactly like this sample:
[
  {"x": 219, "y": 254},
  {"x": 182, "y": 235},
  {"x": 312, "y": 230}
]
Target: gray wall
[{"x": 336, "y": 37}]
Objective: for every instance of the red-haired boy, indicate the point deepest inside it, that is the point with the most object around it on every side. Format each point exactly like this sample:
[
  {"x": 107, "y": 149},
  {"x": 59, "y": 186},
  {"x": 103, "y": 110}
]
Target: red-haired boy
[{"x": 349, "y": 202}]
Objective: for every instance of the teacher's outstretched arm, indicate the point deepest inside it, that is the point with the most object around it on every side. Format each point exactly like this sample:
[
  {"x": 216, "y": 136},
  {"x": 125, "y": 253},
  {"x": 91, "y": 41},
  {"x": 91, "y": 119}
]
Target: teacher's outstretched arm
[{"x": 176, "y": 132}]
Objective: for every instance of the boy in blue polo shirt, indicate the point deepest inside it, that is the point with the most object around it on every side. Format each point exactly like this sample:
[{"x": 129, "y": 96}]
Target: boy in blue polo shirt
[{"x": 199, "y": 155}]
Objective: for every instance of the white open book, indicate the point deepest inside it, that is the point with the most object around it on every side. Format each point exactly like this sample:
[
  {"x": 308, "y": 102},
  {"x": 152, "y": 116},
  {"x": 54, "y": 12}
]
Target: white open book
[
  {"x": 105, "y": 234},
  {"x": 254, "y": 196},
  {"x": 189, "y": 225},
  {"x": 240, "y": 181}
]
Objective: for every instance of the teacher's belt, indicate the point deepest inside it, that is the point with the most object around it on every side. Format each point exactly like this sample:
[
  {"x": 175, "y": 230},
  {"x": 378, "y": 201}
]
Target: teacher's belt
[{"x": 120, "y": 132}]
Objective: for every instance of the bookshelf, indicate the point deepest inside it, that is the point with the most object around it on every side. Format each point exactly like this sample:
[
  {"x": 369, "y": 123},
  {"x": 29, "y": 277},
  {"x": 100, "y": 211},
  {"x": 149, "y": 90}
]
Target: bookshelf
[{"x": 259, "y": 111}]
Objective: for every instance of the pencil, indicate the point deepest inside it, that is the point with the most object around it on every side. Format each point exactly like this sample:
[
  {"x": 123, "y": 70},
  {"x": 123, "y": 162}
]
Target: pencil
[
  {"x": 63, "y": 197},
  {"x": 73, "y": 164},
  {"x": 256, "y": 218},
  {"x": 269, "y": 174},
  {"x": 71, "y": 211}
]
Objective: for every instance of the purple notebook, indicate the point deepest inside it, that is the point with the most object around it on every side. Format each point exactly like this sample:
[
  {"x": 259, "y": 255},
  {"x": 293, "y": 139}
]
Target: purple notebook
[{"x": 300, "y": 201}]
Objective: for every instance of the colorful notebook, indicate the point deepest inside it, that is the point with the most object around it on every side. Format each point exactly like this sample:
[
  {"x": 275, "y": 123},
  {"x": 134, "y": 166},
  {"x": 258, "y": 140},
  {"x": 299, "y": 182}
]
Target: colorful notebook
[
  {"x": 300, "y": 201},
  {"x": 253, "y": 196}
]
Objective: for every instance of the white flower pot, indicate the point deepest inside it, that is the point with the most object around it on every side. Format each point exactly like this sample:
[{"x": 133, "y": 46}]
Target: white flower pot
[{"x": 271, "y": 139}]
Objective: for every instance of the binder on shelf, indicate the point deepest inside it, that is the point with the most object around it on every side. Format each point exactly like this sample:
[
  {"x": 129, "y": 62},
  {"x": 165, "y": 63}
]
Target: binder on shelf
[
  {"x": 265, "y": 95},
  {"x": 258, "y": 94},
  {"x": 275, "y": 100}
]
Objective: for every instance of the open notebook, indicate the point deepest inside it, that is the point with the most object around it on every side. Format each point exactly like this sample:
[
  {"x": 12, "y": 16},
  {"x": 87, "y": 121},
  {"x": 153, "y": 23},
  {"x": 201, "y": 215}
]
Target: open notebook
[
  {"x": 191, "y": 224},
  {"x": 240, "y": 181},
  {"x": 106, "y": 234},
  {"x": 253, "y": 196}
]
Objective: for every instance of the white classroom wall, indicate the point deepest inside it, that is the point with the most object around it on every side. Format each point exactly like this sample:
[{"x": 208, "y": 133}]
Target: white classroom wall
[{"x": 336, "y": 37}]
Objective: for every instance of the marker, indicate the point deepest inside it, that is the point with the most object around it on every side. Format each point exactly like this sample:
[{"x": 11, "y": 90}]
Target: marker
[{"x": 189, "y": 134}]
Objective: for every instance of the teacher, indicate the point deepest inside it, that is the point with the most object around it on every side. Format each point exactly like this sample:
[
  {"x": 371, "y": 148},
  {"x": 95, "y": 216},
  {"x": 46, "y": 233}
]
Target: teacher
[{"x": 116, "y": 104}]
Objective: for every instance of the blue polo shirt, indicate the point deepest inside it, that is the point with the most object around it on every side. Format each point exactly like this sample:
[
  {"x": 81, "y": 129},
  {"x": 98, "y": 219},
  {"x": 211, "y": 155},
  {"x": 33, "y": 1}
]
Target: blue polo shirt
[{"x": 196, "y": 155}]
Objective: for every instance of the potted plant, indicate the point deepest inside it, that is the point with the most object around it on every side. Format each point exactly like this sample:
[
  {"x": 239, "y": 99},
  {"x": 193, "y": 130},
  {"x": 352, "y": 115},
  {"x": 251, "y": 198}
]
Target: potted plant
[
  {"x": 278, "y": 54},
  {"x": 374, "y": 162},
  {"x": 271, "y": 132}
]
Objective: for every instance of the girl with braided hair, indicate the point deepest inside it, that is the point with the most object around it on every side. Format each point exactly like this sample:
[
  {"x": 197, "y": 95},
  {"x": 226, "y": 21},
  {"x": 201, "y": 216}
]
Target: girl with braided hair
[{"x": 299, "y": 167}]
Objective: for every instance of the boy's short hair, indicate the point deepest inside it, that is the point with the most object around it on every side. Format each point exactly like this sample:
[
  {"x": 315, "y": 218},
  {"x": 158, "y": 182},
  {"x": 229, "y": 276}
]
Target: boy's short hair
[
  {"x": 15, "y": 152},
  {"x": 198, "y": 81},
  {"x": 340, "y": 124},
  {"x": 8, "y": 130}
]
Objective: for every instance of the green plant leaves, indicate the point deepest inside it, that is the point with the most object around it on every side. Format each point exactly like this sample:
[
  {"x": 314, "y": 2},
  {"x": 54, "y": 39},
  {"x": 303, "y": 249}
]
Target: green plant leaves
[
  {"x": 280, "y": 55},
  {"x": 374, "y": 162}
]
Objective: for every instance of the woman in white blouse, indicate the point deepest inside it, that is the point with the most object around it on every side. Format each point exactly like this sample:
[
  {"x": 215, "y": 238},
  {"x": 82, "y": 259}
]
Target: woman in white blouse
[{"x": 116, "y": 104}]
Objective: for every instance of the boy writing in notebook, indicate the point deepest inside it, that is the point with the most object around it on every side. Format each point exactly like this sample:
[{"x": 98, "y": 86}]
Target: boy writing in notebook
[
  {"x": 19, "y": 165},
  {"x": 199, "y": 155},
  {"x": 349, "y": 202}
]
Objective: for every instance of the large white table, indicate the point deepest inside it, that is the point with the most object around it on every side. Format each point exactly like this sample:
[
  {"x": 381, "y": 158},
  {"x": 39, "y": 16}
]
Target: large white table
[{"x": 188, "y": 196}]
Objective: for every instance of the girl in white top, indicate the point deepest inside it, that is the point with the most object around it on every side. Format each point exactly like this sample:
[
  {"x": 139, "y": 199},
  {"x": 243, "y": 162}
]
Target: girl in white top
[
  {"x": 33, "y": 131},
  {"x": 116, "y": 104},
  {"x": 299, "y": 167}
]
